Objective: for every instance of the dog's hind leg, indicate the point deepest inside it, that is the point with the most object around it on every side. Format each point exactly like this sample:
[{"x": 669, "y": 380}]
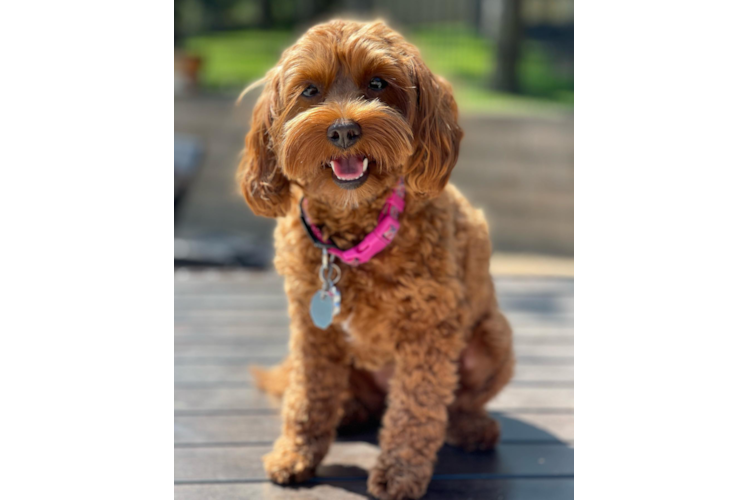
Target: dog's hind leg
[
  {"x": 364, "y": 404},
  {"x": 486, "y": 366}
]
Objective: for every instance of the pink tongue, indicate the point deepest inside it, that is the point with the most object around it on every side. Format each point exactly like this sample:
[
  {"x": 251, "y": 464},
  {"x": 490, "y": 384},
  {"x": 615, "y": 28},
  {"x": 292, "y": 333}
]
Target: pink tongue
[{"x": 348, "y": 168}]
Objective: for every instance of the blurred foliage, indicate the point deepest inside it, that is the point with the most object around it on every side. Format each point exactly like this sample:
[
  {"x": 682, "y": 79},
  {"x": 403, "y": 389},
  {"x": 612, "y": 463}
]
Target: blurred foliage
[
  {"x": 467, "y": 61},
  {"x": 232, "y": 59},
  {"x": 200, "y": 16}
]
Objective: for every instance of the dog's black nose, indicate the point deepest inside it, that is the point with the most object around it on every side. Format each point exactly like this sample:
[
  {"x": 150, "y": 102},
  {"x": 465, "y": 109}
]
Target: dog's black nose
[{"x": 344, "y": 134}]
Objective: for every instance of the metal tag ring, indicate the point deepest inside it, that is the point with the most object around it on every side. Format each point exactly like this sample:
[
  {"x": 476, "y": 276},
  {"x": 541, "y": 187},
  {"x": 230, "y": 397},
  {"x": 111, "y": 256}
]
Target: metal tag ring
[{"x": 332, "y": 276}]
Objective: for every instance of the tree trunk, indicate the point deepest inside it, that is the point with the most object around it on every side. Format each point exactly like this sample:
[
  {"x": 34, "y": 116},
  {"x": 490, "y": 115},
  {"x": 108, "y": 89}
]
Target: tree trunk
[
  {"x": 266, "y": 14},
  {"x": 178, "y": 29},
  {"x": 510, "y": 40}
]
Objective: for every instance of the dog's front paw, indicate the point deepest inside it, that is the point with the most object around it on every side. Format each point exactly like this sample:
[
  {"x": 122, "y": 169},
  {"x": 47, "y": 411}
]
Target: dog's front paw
[
  {"x": 392, "y": 480},
  {"x": 287, "y": 464}
]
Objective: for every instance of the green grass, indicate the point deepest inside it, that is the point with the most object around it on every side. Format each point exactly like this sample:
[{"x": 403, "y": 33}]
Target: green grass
[
  {"x": 470, "y": 75},
  {"x": 234, "y": 59},
  {"x": 455, "y": 52},
  {"x": 467, "y": 61}
]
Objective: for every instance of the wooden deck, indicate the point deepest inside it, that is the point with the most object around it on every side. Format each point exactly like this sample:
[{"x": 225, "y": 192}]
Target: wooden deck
[{"x": 226, "y": 320}]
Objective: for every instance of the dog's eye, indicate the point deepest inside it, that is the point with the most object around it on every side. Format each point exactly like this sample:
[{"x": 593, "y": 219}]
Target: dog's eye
[
  {"x": 377, "y": 83},
  {"x": 310, "y": 91}
]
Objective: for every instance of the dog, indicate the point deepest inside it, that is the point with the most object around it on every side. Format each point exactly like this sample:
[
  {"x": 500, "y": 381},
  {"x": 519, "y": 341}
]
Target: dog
[{"x": 351, "y": 146}]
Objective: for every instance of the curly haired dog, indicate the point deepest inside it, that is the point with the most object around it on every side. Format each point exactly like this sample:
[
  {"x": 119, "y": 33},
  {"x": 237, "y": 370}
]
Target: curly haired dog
[{"x": 348, "y": 111}]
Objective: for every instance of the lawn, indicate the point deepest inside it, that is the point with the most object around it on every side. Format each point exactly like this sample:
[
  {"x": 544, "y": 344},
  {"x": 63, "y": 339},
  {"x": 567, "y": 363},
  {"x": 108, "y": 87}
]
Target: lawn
[{"x": 234, "y": 59}]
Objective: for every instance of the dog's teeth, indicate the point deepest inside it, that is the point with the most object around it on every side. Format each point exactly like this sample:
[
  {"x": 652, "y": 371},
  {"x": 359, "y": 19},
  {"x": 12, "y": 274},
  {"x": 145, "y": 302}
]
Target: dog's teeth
[{"x": 366, "y": 164}]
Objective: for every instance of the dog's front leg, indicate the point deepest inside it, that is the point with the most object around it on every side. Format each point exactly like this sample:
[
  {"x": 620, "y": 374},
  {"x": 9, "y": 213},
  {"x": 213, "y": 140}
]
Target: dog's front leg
[
  {"x": 414, "y": 425},
  {"x": 312, "y": 403}
]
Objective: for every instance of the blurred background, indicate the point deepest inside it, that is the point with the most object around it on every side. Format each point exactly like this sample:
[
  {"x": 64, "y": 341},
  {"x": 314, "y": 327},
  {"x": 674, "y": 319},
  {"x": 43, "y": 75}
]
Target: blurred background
[
  {"x": 607, "y": 134},
  {"x": 511, "y": 63}
]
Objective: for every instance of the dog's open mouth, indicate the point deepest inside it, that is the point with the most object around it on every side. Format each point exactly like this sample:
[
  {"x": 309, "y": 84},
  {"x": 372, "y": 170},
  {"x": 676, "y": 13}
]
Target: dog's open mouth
[{"x": 350, "y": 172}]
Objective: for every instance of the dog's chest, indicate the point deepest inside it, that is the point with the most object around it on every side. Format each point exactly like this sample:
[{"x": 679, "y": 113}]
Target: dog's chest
[
  {"x": 367, "y": 345},
  {"x": 365, "y": 319},
  {"x": 347, "y": 328}
]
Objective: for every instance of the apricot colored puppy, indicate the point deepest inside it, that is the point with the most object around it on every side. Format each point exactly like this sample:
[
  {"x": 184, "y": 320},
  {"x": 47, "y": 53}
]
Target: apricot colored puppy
[{"x": 351, "y": 146}]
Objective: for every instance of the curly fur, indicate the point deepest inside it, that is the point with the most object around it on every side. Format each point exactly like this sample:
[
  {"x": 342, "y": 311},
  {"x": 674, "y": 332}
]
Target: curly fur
[{"x": 419, "y": 341}]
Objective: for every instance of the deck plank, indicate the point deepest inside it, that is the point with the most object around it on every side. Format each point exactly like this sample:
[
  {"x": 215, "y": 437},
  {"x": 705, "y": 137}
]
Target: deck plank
[
  {"x": 279, "y": 349},
  {"x": 250, "y": 398},
  {"x": 187, "y": 281},
  {"x": 267, "y": 360},
  {"x": 234, "y": 430},
  {"x": 355, "y": 459},
  {"x": 222, "y": 304},
  {"x": 439, "y": 489},
  {"x": 185, "y": 373},
  {"x": 279, "y": 332},
  {"x": 518, "y": 319}
]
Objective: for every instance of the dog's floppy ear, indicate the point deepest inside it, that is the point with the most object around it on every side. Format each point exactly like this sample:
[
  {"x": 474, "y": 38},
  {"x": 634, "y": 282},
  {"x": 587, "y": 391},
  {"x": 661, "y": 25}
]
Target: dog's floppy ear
[
  {"x": 435, "y": 130},
  {"x": 260, "y": 178}
]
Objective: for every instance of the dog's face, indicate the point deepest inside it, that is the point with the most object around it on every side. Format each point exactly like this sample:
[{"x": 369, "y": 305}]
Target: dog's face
[{"x": 348, "y": 109}]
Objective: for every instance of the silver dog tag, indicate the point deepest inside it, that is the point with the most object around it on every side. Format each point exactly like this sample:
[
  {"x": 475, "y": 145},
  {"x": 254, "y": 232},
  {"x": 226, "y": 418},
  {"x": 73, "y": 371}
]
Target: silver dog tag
[
  {"x": 322, "y": 309},
  {"x": 326, "y": 302}
]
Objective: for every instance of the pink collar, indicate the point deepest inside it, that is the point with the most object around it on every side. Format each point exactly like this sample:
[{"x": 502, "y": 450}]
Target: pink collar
[{"x": 374, "y": 242}]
